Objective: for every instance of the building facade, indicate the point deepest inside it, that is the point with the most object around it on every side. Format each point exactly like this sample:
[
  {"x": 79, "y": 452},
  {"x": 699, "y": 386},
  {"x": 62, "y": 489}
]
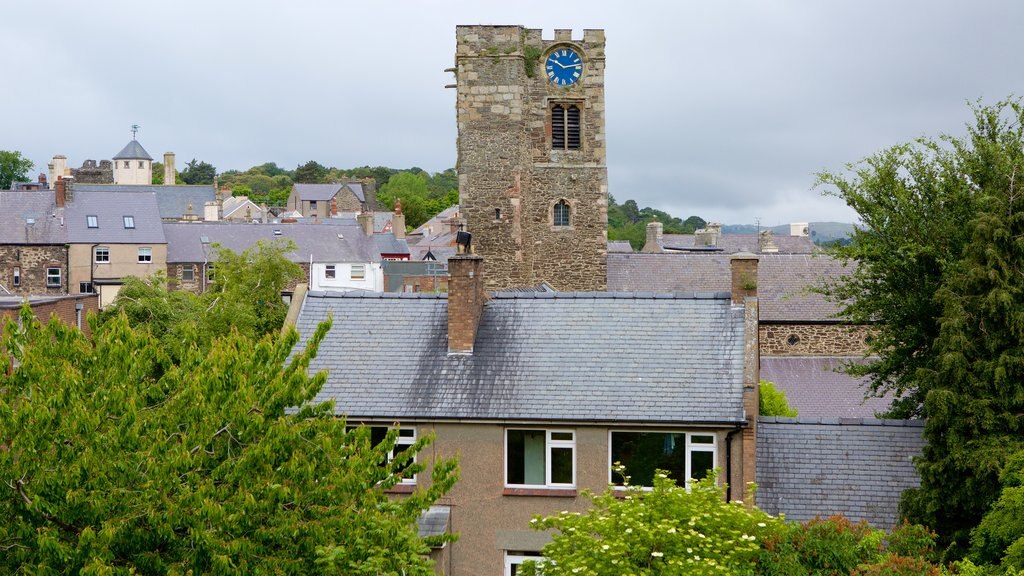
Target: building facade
[{"x": 533, "y": 177}]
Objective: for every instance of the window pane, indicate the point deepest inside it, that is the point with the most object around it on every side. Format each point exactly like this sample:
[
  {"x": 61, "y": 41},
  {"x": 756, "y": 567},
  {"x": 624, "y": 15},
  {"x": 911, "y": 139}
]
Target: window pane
[
  {"x": 701, "y": 463},
  {"x": 561, "y": 465},
  {"x": 701, "y": 439},
  {"x": 644, "y": 452},
  {"x": 562, "y": 436},
  {"x": 526, "y": 457}
]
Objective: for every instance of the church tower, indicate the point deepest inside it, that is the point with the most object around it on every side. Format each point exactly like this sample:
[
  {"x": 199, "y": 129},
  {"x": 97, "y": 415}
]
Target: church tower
[
  {"x": 533, "y": 176},
  {"x": 133, "y": 165}
]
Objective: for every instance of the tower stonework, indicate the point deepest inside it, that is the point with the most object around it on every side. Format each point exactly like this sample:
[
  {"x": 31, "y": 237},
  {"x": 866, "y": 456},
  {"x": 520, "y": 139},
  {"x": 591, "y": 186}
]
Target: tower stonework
[{"x": 533, "y": 182}]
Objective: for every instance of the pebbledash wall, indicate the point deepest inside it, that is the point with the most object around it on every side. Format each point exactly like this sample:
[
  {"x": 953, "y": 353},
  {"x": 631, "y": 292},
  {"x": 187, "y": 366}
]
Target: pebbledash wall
[
  {"x": 510, "y": 178},
  {"x": 824, "y": 339},
  {"x": 857, "y": 467}
]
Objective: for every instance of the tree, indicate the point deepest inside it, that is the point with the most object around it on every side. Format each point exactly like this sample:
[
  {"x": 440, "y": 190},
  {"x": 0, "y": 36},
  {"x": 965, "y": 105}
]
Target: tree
[
  {"x": 13, "y": 168},
  {"x": 939, "y": 263},
  {"x": 118, "y": 459},
  {"x": 999, "y": 538},
  {"x": 310, "y": 173},
  {"x": 773, "y": 401},
  {"x": 198, "y": 173},
  {"x": 411, "y": 188},
  {"x": 666, "y": 530}
]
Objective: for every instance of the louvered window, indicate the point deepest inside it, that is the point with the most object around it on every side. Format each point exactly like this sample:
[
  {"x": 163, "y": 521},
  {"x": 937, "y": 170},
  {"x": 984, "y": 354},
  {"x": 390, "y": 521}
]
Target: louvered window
[{"x": 565, "y": 127}]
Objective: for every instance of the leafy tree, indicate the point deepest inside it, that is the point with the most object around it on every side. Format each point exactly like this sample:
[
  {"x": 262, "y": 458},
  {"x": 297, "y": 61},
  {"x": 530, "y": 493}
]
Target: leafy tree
[
  {"x": 13, "y": 168},
  {"x": 773, "y": 401},
  {"x": 158, "y": 175},
  {"x": 419, "y": 202},
  {"x": 666, "y": 530},
  {"x": 999, "y": 538},
  {"x": 628, "y": 222},
  {"x": 198, "y": 173},
  {"x": 118, "y": 459},
  {"x": 311, "y": 172}
]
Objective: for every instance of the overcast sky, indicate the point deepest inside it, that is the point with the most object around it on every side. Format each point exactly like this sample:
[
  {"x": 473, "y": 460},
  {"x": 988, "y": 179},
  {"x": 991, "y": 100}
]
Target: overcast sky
[{"x": 721, "y": 109}]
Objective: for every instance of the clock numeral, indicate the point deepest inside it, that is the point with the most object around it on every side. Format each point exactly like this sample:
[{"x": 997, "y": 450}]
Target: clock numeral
[
  {"x": 550, "y": 67},
  {"x": 551, "y": 74},
  {"x": 575, "y": 74}
]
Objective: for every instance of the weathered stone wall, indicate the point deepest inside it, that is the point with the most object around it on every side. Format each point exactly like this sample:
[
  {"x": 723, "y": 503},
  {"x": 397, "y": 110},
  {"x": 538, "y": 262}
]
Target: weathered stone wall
[
  {"x": 346, "y": 201},
  {"x": 813, "y": 339},
  {"x": 91, "y": 173},
  {"x": 175, "y": 281},
  {"x": 32, "y": 262},
  {"x": 510, "y": 179}
]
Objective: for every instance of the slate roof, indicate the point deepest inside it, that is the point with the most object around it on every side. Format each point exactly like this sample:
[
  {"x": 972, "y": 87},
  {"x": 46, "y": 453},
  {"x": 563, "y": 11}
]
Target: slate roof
[
  {"x": 172, "y": 200},
  {"x": 815, "y": 387},
  {"x": 782, "y": 279},
  {"x": 18, "y": 207},
  {"x": 388, "y": 244},
  {"x": 435, "y": 224},
  {"x": 133, "y": 151},
  {"x": 110, "y": 208},
  {"x": 855, "y": 467},
  {"x": 573, "y": 357},
  {"x": 321, "y": 243},
  {"x": 733, "y": 243},
  {"x": 620, "y": 247},
  {"x": 239, "y": 204},
  {"x": 433, "y": 521},
  {"x": 380, "y": 219},
  {"x": 316, "y": 192}
]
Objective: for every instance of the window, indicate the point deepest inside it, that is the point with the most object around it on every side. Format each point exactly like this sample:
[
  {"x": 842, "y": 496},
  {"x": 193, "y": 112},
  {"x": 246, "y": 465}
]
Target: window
[
  {"x": 188, "y": 273},
  {"x": 565, "y": 127},
  {"x": 142, "y": 164},
  {"x": 514, "y": 561},
  {"x": 209, "y": 272},
  {"x": 497, "y": 213},
  {"x": 406, "y": 438},
  {"x": 17, "y": 276},
  {"x": 540, "y": 458},
  {"x": 125, "y": 164},
  {"x": 329, "y": 272},
  {"x": 85, "y": 287},
  {"x": 92, "y": 221},
  {"x": 53, "y": 278},
  {"x": 683, "y": 455},
  {"x": 145, "y": 255},
  {"x": 560, "y": 214},
  {"x": 312, "y": 204},
  {"x": 358, "y": 271},
  {"x": 102, "y": 255},
  {"x": 129, "y": 222}
]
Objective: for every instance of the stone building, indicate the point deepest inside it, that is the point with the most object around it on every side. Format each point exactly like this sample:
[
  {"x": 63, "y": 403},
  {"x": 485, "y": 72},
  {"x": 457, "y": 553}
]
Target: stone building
[
  {"x": 33, "y": 243},
  {"x": 533, "y": 177}
]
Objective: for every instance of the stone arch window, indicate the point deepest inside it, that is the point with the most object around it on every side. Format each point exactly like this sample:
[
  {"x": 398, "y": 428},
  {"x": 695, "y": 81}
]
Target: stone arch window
[
  {"x": 565, "y": 127},
  {"x": 561, "y": 214}
]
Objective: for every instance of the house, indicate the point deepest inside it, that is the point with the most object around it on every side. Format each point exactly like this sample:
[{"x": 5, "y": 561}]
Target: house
[
  {"x": 241, "y": 209},
  {"x": 33, "y": 242},
  {"x": 538, "y": 393},
  {"x": 434, "y": 240},
  {"x": 174, "y": 202},
  {"x": 334, "y": 257},
  {"x": 322, "y": 200},
  {"x": 112, "y": 235}
]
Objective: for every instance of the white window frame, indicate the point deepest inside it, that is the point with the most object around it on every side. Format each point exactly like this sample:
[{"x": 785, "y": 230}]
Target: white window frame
[
  {"x": 191, "y": 270},
  {"x": 330, "y": 272},
  {"x": 513, "y": 559},
  {"x": 92, "y": 221},
  {"x": 406, "y": 437},
  {"x": 53, "y": 281},
  {"x": 690, "y": 448},
  {"x": 549, "y": 444},
  {"x": 145, "y": 255},
  {"x": 17, "y": 276},
  {"x": 104, "y": 250},
  {"x": 361, "y": 272},
  {"x": 129, "y": 222}
]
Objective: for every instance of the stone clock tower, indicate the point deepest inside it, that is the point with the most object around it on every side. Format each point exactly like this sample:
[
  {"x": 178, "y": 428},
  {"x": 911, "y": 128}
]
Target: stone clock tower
[{"x": 533, "y": 177}]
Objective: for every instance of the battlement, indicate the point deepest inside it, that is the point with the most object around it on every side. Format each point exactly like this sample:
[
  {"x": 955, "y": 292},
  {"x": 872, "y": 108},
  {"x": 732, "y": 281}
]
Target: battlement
[{"x": 512, "y": 40}]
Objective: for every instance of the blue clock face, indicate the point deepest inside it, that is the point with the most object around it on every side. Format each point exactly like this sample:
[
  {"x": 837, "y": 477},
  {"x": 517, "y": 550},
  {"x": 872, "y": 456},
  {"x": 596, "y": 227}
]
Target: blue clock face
[{"x": 563, "y": 67}]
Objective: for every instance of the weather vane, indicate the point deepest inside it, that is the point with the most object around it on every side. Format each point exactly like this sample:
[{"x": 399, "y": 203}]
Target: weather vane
[{"x": 135, "y": 128}]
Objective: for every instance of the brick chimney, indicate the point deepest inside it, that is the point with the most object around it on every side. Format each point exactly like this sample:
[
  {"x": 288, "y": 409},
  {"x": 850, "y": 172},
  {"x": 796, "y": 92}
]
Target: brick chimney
[
  {"x": 365, "y": 220},
  {"x": 654, "y": 234},
  {"x": 744, "y": 276},
  {"x": 170, "y": 174},
  {"x": 334, "y": 206},
  {"x": 60, "y": 191},
  {"x": 466, "y": 297},
  {"x": 42, "y": 181},
  {"x": 398, "y": 220}
]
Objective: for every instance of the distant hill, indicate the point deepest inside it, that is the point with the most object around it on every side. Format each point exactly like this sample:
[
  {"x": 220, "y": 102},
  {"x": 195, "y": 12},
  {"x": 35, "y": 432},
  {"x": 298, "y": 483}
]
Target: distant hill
[{"x": 820, "y": 231}]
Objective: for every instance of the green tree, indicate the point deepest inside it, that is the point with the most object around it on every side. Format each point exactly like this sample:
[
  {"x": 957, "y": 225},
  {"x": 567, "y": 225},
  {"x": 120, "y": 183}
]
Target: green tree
[
  {"x": 666, "y": 530},
  {"x": 411, "y": 188},
  {"x": 999, "y": 538},
  {"x": 773, "y": 401},
  {"x": 13, "y": 168},
  {"x": 311, "y": 172},
  {"x": 118, "y": 459},
  {"x": 198, "y": 173}
]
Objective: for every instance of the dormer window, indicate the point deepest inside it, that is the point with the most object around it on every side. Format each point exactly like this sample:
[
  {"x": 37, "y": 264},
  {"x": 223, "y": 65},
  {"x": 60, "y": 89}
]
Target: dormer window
[
  {"x": 92, "y": 221},
  {"x": 560, "y": 214},
  {"x": 129, "y": 222}
]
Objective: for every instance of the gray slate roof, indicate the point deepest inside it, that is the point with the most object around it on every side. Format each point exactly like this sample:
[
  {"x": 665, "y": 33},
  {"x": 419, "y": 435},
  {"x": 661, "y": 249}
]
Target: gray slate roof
[
  {"x": 388, "y": 244},
  {"x": 733, "y": 243},
  {"x": 17, "y": 208},
  {"x": 172, "y": 200},
  {"x": 110, "y": 208},
  {"x": 620, "y": 247},
  {"x": 782, "y": 279},
  {"x": 854, "y": 467},
  {"x": 814, "y": 386},
  {"x": 573, "y": 357},
  {"x": 133, "y": 151},
  {"x": 317, "y": 192},
  {"x": 433, "y": 521},
  {"x": 321, "y": 243}
]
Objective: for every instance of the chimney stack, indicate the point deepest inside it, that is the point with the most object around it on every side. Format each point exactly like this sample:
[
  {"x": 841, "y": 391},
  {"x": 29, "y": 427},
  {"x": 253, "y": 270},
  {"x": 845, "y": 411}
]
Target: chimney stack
[
  {"x": 744, "y": 276},
  {"x": 398, "y": 220},
  {"x": 466, "y": 297},
  {"x": 366, "y": 222},
  {"x": 170, "y": 174},
  {"x": 655, "y": 230},
  {"x": 42, "y": 182},
  {"x": 60, "y": 191},
  {"x": 766, "y": 242}
]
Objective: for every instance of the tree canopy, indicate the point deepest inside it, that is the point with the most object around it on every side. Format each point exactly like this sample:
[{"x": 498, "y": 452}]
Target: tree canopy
[
  {"x": 196, "y": 172},
  {"x": 627, "y": 221},
  {"x": 420, "y": 199},
  {"x": 13, "y": 168},
  {"x": 939, "y": 262}
]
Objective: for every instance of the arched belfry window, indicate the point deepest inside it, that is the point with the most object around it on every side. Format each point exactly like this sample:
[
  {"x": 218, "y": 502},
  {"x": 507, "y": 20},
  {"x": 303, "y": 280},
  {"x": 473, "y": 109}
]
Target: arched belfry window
[
  {"x": 565, "y": 127},
  {"x": 560, "y": 216}
]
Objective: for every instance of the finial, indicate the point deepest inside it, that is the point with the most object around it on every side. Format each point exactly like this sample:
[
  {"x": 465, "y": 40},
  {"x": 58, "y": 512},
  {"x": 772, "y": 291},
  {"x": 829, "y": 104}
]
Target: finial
[{"x": 135, "y": 128}]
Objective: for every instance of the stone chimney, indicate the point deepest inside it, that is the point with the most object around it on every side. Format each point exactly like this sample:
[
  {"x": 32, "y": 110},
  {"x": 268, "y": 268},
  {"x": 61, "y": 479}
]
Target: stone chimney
[
  {"x": 466, "y": 298},
  {"x": 708, "y": 236},
  {"x": 398, "y": 220},
  {"x": 60, "y": 191},
  {"x": 211, "y": 211},
  {"x": 58, "y": 168},
  {"x": 655, "y": 230},
  {"x": 170, "y": 174},
  {"x": 765, "y": 242},
  {"x": 744, "y": 276},
  {"x": 365, "y": 220}
]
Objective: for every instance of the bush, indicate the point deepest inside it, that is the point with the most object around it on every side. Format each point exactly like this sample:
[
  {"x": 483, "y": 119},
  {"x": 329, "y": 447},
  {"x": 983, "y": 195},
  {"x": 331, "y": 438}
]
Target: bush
[
  {"x": 821, "y": 547},
  {"x": 773, "y": 401}
]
